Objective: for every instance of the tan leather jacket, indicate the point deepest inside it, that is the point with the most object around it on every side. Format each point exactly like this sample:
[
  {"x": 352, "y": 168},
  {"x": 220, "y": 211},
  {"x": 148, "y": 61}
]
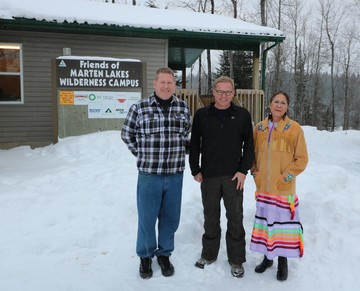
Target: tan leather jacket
[{"x": 279, "y": 161}]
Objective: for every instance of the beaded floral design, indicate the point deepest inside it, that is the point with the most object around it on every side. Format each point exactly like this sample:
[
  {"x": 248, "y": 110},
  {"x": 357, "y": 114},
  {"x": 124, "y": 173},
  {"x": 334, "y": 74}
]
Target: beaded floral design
[
  {"x": 287, "y": 126},
  {"x": 289, "y": 177}
]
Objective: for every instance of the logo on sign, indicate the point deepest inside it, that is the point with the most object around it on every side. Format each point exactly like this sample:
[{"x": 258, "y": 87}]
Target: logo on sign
[
  {"x": 92, "y": 97},
  {"x": 62, "y": 64}
]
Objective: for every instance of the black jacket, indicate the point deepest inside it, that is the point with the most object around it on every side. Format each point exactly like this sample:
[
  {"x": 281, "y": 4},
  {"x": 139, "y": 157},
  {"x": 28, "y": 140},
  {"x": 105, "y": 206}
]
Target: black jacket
[{"x": 226, "y": 146}]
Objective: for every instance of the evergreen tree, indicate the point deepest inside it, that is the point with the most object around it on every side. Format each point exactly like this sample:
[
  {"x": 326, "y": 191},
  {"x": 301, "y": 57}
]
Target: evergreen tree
[{"x": 242, "y": 68}]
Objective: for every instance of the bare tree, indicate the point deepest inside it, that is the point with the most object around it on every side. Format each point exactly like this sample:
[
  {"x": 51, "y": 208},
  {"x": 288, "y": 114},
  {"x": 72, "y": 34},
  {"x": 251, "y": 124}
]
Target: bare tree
[
  {"x": 231, "y": 53},
  {"x": 263, "y": 12},
  {"x": 151, "y": 4},
  {"x": 274, "y": 15},
  {"x": 296, "y": 20},
  {"x": 196, "y": 6},
  {"x": 354, "y": 114},
  {"x": 317, "y": 39},
  {"x": 208, "y": 52},
  {"x": 332, "y": 15},
  {"x": 347, "y": 52},
  {"x": 234, "y": 4},
  {"x": 357, "y": 5}
]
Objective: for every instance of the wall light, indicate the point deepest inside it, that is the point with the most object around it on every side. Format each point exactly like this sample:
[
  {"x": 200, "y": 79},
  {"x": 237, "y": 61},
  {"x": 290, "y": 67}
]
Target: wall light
[{"x": 66, "y": 51}]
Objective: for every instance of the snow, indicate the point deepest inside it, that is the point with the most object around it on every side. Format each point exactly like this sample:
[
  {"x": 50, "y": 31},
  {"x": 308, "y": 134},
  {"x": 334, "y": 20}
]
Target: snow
[
  {"x": 102, "y": 13},
  {"x": 96, "y": 58},
  {"x": 68, "y": 221}
]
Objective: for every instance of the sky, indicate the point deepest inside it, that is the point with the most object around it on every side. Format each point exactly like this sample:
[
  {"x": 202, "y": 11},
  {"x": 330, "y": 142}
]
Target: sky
[{"x": 69, "y": 221}]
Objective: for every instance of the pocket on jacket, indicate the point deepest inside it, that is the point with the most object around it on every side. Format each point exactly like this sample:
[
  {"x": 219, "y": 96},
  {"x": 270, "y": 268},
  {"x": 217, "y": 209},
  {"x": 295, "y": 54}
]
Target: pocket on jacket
[
  {"x": 282, "y": 185},
  {"x": 151, "y": 124},
  {"x": 178, "y": 122}
]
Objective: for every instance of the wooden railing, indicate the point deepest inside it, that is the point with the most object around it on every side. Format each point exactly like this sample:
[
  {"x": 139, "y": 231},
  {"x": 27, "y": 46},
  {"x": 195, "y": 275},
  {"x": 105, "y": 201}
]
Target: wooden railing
[
  {"x": 191, "y": 97},
  {"x": 252, "y": 100}
]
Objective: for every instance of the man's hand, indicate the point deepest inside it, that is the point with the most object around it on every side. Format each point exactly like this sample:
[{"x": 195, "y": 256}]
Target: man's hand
[
  {"x": 240, "y": 180},
  {"x": 198, "y": 177}
]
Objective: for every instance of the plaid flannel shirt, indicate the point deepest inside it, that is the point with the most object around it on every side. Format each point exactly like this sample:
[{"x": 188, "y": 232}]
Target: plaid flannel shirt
[{"x": 157, "y": 138}]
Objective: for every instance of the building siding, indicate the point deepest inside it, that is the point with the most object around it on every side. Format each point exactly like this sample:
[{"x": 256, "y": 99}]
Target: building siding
[{"x": 32, "y": 123}]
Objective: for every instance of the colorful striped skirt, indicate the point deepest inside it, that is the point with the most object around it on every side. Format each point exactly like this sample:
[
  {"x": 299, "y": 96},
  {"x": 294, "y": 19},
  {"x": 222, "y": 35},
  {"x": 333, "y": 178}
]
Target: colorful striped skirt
[{"x": 277, "y": 229}]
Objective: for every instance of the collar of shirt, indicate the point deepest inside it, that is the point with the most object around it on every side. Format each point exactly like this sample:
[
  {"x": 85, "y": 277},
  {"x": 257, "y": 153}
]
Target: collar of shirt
[{"x": 153, "y": 99}]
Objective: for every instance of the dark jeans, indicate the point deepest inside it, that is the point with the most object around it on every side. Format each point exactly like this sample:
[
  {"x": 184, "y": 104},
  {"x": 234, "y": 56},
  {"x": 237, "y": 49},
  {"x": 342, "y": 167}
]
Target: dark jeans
[{"x": 212, "y": 190}]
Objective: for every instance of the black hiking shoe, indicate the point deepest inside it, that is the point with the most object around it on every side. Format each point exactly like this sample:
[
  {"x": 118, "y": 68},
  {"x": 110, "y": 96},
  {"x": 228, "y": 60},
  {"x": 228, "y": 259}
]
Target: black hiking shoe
[
  {"x": 266, "y": 263},
  {"x": 145, "y": 269},
  {"x": 167, "y": 269}
]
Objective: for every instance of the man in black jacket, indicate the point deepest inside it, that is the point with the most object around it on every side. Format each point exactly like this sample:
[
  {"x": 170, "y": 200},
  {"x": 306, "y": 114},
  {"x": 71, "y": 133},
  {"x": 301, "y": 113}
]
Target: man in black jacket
[{"x": 222, "y": 135}]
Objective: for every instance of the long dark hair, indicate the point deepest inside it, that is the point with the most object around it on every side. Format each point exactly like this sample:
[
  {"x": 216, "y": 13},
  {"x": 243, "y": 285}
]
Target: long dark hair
[{"x": 272, "y": 98}]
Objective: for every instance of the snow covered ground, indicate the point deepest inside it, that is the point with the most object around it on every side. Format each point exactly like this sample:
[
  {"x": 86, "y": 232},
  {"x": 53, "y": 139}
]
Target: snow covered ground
[{"x": 68, "y": 221}]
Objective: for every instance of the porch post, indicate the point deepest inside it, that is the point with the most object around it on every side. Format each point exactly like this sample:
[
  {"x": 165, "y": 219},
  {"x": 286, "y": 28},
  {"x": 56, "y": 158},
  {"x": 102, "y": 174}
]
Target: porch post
[
  {"x": 183, "y": 77},
  {"x": 255, "y": 69}
]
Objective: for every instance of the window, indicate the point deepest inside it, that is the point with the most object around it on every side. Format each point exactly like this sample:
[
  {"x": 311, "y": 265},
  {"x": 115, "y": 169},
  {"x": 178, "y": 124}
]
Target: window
[{"x": 11, "y": 74}]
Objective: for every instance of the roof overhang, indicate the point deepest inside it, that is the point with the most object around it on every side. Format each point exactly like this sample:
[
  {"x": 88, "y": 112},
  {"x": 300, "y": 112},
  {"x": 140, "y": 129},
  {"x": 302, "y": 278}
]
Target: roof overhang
[{"x": 184, "y": 46}]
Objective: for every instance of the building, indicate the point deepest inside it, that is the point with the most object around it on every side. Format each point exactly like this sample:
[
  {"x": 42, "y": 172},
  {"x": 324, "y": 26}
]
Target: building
[{"x": 35, "y": 33}]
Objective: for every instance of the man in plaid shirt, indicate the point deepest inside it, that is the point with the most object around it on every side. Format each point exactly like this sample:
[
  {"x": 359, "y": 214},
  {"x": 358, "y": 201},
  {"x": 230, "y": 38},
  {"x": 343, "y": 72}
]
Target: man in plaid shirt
[{"x": 155, "y": 131}]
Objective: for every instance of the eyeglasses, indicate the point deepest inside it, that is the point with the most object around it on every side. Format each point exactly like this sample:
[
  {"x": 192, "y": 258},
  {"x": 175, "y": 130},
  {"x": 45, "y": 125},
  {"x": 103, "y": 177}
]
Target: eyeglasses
[
  {"x": 277, "y": 102},
  {"x": 221, "y": 92}
]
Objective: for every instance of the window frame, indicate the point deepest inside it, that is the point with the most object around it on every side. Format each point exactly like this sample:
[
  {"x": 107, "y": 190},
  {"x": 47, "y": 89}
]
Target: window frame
[{"x": 21, "y": 102}]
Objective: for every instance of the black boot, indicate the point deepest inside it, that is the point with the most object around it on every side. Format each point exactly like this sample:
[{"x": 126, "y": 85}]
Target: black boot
[
  {"x": 266, "y": 263},
  {"x": 167, "y": 269},
  {"x": 282, "y": 272},
  {"x": 145, "y": 269}
]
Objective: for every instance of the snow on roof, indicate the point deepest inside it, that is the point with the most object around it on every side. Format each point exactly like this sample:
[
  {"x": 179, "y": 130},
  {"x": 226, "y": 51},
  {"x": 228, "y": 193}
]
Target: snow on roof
[
  {"x": 95, "y": 58},
  {"x": 81, "y": 11}
]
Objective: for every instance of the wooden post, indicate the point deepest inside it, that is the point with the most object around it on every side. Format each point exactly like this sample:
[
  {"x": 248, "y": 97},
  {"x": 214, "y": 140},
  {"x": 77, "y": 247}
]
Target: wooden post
[
  {"x": 183, "y": 78},
  {"x": 256, "y": 69}
]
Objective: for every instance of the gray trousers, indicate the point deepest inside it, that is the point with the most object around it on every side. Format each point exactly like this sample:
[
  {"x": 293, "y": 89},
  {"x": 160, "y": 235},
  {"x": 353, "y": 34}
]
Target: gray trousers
[{"x": 212, "y": 191}]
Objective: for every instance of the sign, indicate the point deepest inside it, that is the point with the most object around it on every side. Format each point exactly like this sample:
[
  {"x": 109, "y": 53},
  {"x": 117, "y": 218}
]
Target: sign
[
  {"x": 111, "y": 104},
  {"x": 98, "y": 73},
  {"x": 66, "y": 98},
  {"x": 101, "y": 104}
]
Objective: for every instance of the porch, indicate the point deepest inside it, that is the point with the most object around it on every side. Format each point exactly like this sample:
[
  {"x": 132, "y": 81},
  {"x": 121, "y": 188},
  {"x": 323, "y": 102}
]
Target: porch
[{"x": 252, "y": 100}]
